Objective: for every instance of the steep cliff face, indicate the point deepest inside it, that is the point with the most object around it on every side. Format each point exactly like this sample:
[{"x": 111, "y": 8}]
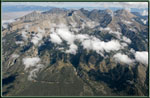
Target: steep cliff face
[{"x": 75, "y": 53}]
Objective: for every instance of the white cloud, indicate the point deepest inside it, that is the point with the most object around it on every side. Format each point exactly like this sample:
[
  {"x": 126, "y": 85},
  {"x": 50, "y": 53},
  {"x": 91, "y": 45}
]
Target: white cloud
[
  {"x": 33, "y": 73},
  {"x": 33, "y": 62},
  {"x": 112, "y": 45},
  {"x": 91, "y": 24},
  {"x": 6, "y": 22},
  {"x": 142, "y": 57},
  {"x": 68, "y": 36},
  {"x": 55, "y": 38},
  {"x": 35, "y": 40},
  {"x": 119, "y": 57},
  {"x": 116, "y": 33},
  {"x": 30, "y": 61},
  {"x": 132, "y": 50},
  {"x": 124, "y": 44},
  {"x": 73, "y": 49},
  {"x": 126, "y": 39},
  {"x": 82, "y": 37},
  {"x": 101, "y": 46},
  {"x": 110, "y": 31},
  {"x": 88, "y": 42},
  {"x": 65, "y": 34}
]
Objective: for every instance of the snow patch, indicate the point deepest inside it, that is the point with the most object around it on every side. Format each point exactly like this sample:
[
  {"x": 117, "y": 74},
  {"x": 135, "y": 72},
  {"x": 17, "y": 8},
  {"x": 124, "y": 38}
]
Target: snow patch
[
  {"x": 14, "y": 55},
  {"x": 38, "y": 37},
  {"x": 144, "y": 21},
  {"x": 24, "y": 35},
  {"x": 144, "y": 13},
  {"x": 127, "y": 22},
  {"x": 19, "y": 42}
]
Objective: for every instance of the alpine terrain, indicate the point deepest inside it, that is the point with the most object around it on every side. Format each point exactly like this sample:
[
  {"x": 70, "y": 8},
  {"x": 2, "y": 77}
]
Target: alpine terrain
[{"x": 64, "y": 52}]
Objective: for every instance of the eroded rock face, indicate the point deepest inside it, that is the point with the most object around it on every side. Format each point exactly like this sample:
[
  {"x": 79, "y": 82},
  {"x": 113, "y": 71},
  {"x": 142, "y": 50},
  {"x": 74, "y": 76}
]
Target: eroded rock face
[{"x": 75, "y": 53}]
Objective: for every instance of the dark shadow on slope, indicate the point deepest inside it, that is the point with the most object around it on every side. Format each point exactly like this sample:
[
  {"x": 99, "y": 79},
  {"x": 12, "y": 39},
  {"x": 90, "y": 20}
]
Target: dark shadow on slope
[
  {"x": 75, "y": 59},
  {"x": 46, "y": 46},
  {"x": 70, "y": 13},
  {"x": 116, "y": 78},
  {"x": 137, "y": 38},
  {"x": 4, "y": 93},
  {"x": 27, "y": 47},
  {"x": 19, "y": 38},
  {"x": 106, "y": 20},
  {"x": 8, "y": 80}
]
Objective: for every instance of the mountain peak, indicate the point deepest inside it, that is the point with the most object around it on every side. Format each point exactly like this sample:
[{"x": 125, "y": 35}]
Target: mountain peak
[
  {"x": 55, "y": 10},
  {"x": 124, "y": 13},
  {"x": 34, "y": 13},
  {"x": 31, "y": 16},
  {"x": 108, "y": 10}
]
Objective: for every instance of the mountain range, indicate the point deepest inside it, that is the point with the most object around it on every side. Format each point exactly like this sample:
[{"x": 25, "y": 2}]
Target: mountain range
[{"x": 63, "y": 52}]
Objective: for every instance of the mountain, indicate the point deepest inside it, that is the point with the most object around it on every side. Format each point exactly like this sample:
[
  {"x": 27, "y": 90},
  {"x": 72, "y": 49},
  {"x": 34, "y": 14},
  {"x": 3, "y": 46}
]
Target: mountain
[{"x": 63, "y": 52}]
